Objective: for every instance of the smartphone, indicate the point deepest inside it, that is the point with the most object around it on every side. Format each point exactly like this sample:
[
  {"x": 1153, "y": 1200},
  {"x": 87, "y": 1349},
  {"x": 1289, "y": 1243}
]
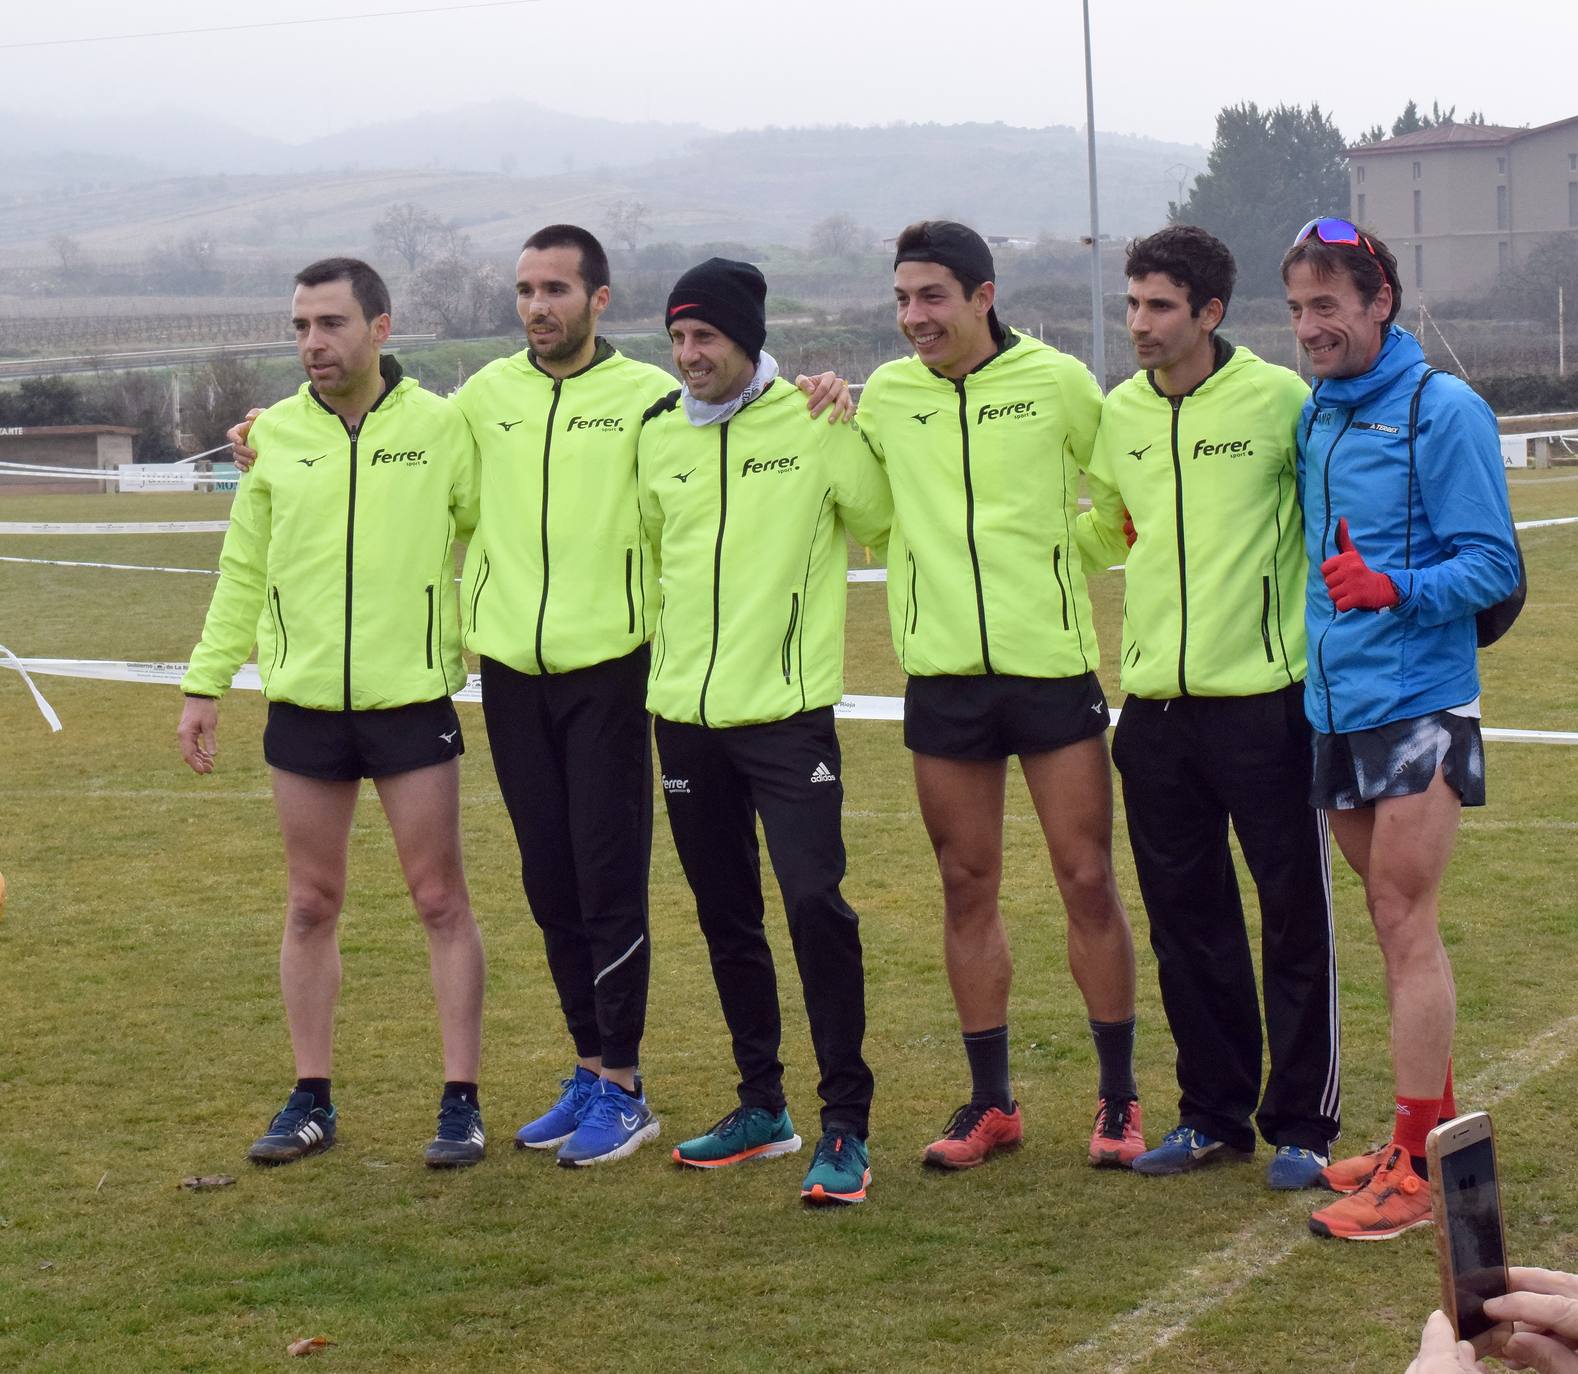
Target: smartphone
[{"x": 1470, "y": 1243}]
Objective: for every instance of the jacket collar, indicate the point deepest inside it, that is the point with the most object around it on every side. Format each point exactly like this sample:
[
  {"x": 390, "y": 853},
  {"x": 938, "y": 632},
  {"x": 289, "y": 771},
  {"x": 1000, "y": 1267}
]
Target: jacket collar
[
  {"x": 602, "y": 351},
  {"x": 1221, "y": 353},
  {"x": 1400, "y": 353},
  {"x": 388, "y": 368}
]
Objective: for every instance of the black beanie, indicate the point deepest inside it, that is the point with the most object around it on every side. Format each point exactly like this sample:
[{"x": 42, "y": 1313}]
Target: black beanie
[
  {"x": 730, "y": 296},
  {"x": 949, "y": 244}
]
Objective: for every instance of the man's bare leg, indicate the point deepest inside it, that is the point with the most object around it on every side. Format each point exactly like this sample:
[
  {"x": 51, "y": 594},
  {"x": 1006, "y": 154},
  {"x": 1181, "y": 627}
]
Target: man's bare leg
[
  {"x": 315, "y": 821},
  {"x": 423, "y": 807}
]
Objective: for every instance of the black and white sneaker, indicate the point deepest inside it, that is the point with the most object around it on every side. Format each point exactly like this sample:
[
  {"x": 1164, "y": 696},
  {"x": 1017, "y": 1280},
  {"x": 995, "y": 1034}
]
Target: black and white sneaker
[
  {"x": 301, "y": 1128},
  {"x": 459, "y": 1140}
]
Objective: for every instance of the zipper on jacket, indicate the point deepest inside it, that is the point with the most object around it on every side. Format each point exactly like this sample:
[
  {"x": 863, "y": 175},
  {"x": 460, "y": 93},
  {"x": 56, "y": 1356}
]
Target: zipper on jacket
[
  {"x": 350, "y": 553},
  {"x": 429, "y": 625},
  {"x": 282, "y": 649},
  {"x": 1057, "y": 572},
  {"x": 788, "y": 652},
  {"x": 1183, "y": 578},
  {"x": 476, "y": 592},
  {"x": 547, "y": 446},
  {"x": 1320, "y": 644},
  {"x": 969, "y": 523},
  {"x": 630, "y": 599},
  {"x": 717, "y": 562},
  {"x": 1265, "y": 618}
]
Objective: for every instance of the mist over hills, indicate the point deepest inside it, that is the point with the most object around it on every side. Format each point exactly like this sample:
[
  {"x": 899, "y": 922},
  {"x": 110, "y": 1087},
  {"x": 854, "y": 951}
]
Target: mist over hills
[{"x": 498, "y": 169}]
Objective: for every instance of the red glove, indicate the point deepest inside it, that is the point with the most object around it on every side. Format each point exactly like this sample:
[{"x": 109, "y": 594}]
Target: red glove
[
  {"x": 1130, "y": 534},
  {"x": 1351, "y": 584}
]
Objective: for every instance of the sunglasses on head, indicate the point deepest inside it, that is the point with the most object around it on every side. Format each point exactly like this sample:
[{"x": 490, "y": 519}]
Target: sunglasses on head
[{"x": 1335, "y": 231}]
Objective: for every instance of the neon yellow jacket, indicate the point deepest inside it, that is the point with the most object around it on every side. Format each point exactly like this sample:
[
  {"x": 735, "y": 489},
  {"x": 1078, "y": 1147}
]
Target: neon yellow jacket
[
  {"x": 746, "y": 522},
  {"x": 1213, "y": 598},
  {"x": 557, "y": 577},
  {"x": 984, "y": 575},
  {"x": 339, "y": 558}
]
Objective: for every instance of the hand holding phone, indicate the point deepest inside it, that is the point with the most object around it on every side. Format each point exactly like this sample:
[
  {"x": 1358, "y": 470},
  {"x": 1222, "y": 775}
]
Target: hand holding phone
[{"x": 1470, "y": 1243}]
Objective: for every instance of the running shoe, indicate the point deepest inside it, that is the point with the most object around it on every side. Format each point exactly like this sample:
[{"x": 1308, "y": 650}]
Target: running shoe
[
  {"x": 1183, "y": 1148},
  {"x": 1118, "y": 1136},
  {"x": 745, "y": 1133},
  {"x": 558, "y": 1123},
  {"x": 460, "y": 1140},
  {"x": 1295, "y": 1167},
  {"x": 300, "y": 1128},
  {"x": 973, "y": 1133},
  {"x": 1351, "y": 1174},
  {"x": 840, "y": 1170},
  {"x": 1395, "y": 1200},
  {"x": 615, "y": 1124}
]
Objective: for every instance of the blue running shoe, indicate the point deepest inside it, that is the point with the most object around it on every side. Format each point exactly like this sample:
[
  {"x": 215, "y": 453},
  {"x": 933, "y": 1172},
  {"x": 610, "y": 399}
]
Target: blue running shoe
[
  {"x": 1183, "y": 1148},
  {"x": 840, "y": 1171},
  {"x": 558, "y": 1123},
  {"x": 1295, "y": 1167},
  {"x": 616, "y": 1124},
  {"x": 301, "y": 1128},
  {"x": 459, "y": 1140}
]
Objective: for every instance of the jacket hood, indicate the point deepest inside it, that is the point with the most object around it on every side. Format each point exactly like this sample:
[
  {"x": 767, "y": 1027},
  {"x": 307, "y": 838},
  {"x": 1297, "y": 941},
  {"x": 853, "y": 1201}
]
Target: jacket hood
[{"x": 1399, "y": 354}]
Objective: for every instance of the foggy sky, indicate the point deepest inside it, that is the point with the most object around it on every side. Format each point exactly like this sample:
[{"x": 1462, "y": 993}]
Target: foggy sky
[{"x": 1161, "y": 69}]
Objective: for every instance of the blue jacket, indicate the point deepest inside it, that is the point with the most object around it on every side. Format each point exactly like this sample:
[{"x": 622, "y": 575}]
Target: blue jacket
[{"x": 1444, "y": 538}]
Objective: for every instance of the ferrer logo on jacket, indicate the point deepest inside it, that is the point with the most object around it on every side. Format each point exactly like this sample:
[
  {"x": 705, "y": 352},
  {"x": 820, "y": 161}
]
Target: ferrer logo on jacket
[
  {"x": 613, "y": 422},
  {"x": 1009, "y": 410},
  {"x": 1228, "y": 448},
  {"x": 416, "y": 457},
  {"x": 753, "y": 465}
]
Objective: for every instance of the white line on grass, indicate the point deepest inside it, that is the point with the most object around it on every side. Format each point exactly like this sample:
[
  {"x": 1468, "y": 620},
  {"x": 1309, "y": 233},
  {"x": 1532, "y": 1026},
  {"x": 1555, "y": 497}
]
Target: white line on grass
[{"x": 1265, "y": 1243}]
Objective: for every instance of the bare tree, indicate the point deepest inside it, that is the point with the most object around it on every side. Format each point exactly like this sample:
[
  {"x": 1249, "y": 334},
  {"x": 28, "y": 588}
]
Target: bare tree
[
  {"x": 458, "y": 297},
  {"x": 68, "y": 250},
  {"x": 410, "y": 232},
  {"x": 836, "y": 236},
  {"x": 627, "y": 222}
]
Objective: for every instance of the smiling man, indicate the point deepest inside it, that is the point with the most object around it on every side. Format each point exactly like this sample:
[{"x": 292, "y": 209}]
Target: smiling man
[
  {"x": 338, "y": 563},
  {"x": 1199, "y": 448},
  {"x": 745, "y": 501},
  {"x": 982, "y": 433},
  {"x": 1409, "y": 534}
]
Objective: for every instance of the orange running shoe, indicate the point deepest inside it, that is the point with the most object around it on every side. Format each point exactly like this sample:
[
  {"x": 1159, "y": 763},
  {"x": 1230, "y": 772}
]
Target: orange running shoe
[
  {"x": 1118, "y": 1137},
  {"x": 973, "y": 1133},
  {"x": 1350, "y": 1175},
  {"x": 1395, "y": 1200}
]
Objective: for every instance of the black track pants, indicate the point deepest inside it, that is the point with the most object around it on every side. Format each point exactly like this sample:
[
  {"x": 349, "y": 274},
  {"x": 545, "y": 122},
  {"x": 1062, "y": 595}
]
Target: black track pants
[
  {"x": 573, "y": 756},
  {"x": 715, "y": 783},
  {"x": 1189, "y": 766}
]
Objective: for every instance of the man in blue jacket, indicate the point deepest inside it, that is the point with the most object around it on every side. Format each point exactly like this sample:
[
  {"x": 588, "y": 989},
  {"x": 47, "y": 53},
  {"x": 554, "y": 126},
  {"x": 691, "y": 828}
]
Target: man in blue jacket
[{"x": 1409, "y": 535}]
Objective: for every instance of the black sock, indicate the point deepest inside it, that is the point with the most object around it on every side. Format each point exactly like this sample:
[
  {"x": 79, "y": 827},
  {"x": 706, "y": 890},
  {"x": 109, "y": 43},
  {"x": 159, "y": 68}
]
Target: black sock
[
  {"x": 1115, "y": 1053},
  {"x": 468, "y": 1091},
  {"x": 1421, "y": 1166},
  {"x": 987, "y": 1052},
  {"x": 319, "y": 1088}
]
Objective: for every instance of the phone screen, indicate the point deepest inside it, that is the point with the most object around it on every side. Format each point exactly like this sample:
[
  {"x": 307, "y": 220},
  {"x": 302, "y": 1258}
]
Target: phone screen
[{"x": 1473, "y": 1207}]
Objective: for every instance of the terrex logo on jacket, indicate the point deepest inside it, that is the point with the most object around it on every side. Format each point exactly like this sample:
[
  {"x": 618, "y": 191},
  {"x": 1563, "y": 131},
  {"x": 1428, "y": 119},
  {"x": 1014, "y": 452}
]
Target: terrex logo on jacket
[
  {"x": 557, "y": 577},
  {"x": 1213, "y": 586},
  {"x": 341, "y": 572},
  {"x": 983, "y": 572},
  {"x": 753, "y": 556}
]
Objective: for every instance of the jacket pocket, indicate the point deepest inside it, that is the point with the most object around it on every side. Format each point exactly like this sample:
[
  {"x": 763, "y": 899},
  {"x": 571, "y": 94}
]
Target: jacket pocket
[
  {"x": 788, "y": 649},
  {"x": 476, "y": 591},
  {"x": 1265, "y": 618},
  {"x": 1057, "y": 572},
  {"x": 630, "y": 596},
  {"x": 282, "y": 643},
  {"x": 430, "y": 607}
]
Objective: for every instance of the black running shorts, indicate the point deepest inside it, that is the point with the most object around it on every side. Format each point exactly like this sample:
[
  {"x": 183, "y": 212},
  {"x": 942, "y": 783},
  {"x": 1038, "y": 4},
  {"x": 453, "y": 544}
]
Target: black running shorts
[
  {"x": 342, "y": 746},
  {"x": 992, "y": 717},
  {"x": 1399, "y": 760}
]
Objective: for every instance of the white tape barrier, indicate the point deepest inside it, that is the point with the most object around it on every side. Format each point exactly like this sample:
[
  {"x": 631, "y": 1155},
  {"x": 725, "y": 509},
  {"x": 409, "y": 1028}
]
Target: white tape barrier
[
  {"x": 118, "y": 567},
  {"x": 854, "y": 707},
  {"x": 10, "y": 660},
  {"x": 115, "y": 527}
]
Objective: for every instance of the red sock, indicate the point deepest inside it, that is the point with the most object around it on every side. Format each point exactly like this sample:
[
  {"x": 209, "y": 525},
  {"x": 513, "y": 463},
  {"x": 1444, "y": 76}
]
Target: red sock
[
  {"x": 1416, "y": 1118},
  {"x": 1448, "y": 1102}
]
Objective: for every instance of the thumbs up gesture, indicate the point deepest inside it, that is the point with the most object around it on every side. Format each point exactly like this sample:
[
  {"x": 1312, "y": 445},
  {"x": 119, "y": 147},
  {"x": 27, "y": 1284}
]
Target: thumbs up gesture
[{"x": 1350, "y": 582}]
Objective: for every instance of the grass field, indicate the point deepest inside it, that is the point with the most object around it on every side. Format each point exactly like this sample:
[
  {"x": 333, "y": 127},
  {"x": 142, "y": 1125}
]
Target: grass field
[{"x": 141, "y": 1041}]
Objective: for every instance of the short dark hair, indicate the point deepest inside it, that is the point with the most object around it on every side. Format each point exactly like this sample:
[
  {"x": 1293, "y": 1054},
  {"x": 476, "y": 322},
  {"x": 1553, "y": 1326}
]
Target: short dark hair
[
  {"x": 594, "y": 261},
  {"x": 1192, "y": 258},
  {"x": 1368, "y": 267},
  {"x": 916, "y": 239},
  {"x": 366, "y": 285}
]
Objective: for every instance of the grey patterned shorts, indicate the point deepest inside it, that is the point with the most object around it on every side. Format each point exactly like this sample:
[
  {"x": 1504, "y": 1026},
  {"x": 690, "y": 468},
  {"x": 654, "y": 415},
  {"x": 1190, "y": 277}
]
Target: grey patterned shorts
[{"x": 1398, "y": 760}]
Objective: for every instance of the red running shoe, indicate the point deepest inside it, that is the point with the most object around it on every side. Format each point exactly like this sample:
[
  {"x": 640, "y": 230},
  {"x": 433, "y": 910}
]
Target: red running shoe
[{"x": 973, "y": 1133}]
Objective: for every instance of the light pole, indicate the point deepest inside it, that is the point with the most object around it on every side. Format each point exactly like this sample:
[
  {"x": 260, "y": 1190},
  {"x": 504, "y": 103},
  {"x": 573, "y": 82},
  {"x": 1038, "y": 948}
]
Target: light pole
[{"x": 1098, "y": 342}]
